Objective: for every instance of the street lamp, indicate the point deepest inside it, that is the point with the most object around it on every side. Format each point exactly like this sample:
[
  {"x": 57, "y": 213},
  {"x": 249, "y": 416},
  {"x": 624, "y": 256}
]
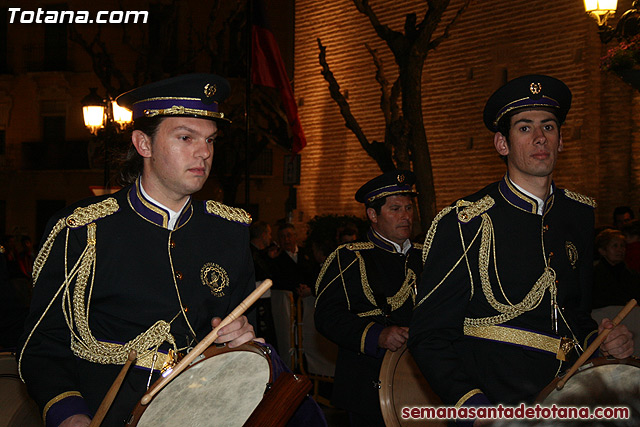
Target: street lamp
[
  {"x": 108, "y": 116},
  {"x": 93, "y": 110},
  {"x": 602, "y": 10}
]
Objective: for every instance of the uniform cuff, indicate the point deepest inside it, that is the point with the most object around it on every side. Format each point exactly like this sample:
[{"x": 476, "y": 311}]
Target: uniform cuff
[
  {"x": 63, "y": 406},
  {"x": 369, "y": 342},
  {"x": 475, "y": 398},
  {"x": 589, "y": 339}
]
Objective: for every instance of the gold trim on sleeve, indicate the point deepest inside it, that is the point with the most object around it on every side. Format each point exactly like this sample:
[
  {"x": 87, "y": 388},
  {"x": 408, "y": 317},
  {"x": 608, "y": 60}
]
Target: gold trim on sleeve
[
  {"x": 467, "y": 396},
  {"x": 363, "y": 339},
  {"x": 586, "y": 340},
  {"x": 57, "y": 399}
]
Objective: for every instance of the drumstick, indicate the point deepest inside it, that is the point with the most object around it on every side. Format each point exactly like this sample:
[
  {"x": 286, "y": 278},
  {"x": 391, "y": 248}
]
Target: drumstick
[
  {"x": 596, "y": 343},
  {"x": 207, "y": 341},
  {"x": 113, "y": 391}
]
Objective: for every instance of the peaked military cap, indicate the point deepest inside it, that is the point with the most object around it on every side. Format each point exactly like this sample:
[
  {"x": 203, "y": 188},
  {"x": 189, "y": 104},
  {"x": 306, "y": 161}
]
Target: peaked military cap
[
  {"x": 388, "y": 184},
  {"x": 190, "y": 95},
  {"x": 527, "y": 92}
]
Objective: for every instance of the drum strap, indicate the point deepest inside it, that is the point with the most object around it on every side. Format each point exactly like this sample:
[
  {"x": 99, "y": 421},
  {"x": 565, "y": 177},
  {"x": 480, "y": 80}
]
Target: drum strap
[{"x": 559, "y": 347}]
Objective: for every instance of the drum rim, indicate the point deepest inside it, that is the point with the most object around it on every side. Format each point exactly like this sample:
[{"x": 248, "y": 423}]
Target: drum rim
[
  {"x": 591, "y": 363},
  {"x": 385, "y": 391},
  {"x": 252, "y": 347}
]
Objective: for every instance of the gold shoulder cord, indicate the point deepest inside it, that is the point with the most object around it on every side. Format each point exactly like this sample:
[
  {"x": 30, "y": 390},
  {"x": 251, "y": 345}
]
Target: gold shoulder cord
[
  {"x": 508, "y": 311},
  {"x": 228, "y": 212},
  {"x": 465, "y": 248},
  {"x": 581, "y": 198},
  {"x": 334, "y": 255},
  {"x": 83, "y": 343}
]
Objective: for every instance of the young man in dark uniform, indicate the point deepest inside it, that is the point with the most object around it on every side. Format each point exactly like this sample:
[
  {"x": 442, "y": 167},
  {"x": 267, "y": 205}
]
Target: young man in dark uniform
[
  {"x": 505, "y": 292},
  {"x": 146, "y": 268},
  {"x": 366, "y": 292}
]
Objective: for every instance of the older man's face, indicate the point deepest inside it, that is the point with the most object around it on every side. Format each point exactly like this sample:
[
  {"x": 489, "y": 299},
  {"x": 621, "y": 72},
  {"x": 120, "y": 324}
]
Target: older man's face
[{"x": 395, "y": 220}]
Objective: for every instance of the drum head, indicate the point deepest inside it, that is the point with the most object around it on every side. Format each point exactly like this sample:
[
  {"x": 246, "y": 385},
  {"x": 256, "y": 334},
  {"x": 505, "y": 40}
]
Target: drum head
[
  {"x": 223, "y": 389},
  {"x": 617, "y": 375},
  {"x": 403, "y": 385}
]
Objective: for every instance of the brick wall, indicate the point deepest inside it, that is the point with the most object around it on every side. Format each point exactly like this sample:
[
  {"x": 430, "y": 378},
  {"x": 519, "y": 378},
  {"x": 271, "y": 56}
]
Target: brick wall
[{"x": 493, "y": 38}]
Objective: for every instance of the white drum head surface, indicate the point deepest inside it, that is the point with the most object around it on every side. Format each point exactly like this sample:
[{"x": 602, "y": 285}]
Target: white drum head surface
[{"x": 221, "y": 390}]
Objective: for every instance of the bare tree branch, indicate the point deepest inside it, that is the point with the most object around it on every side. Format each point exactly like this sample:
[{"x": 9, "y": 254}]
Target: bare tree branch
[
  {"x": 393, "y": 38},
  {"x": 384, "y": 84},
  {"x": 377, "y": 150},
  {"x": 434, "y": 43}
]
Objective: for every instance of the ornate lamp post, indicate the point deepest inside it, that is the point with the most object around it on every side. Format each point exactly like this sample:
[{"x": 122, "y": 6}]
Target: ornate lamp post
[
  {"x": 100, "y": 114},
  {"x": 602, "y": 10}
]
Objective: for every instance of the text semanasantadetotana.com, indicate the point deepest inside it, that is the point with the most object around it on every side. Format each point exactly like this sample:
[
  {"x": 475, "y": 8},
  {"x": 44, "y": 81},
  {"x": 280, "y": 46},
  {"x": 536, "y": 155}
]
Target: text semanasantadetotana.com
[{"x": 536, "y": 412}]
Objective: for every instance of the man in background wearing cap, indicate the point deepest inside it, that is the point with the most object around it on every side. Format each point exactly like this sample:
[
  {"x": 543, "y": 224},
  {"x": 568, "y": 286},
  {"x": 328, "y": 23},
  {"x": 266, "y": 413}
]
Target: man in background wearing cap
[
  {"x": 366, "y": 292},
  {"x": 505, "y": 292},
  {"x": 144, "y": 269}
]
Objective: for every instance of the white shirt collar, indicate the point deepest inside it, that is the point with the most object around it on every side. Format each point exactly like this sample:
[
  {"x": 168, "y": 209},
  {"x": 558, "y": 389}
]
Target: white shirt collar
[
  {"x": 406, "y": 245},
  {"x": 539, "y": 201},
  {"x": 173, "y": 215}
]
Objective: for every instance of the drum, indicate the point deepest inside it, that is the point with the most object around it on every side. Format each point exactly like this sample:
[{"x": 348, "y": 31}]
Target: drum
[
  {"x": 612, "y": 378},
  {"x": 222, "y": 387},
  {"x": 16, "y": 407},
  {"x": 403, "y": 385}
]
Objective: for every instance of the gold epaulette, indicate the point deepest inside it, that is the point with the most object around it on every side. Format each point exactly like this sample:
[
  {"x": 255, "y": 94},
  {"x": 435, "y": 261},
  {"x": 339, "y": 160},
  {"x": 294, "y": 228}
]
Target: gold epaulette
[
  {"x": 580, "y": 198},
  {"x": 475, "y": 209},
  {"x": 80, "y": 217},
  {"x": 358, "y": 246},
  {"x": 228, "y": 212},
  {"x": 86, "y": 215}
]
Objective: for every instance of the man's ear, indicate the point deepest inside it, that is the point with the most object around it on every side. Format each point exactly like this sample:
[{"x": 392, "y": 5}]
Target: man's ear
[
  {"x": 560, "y": 143},
  {"x": 500, "y": 142},
  {"x": 142, "y": 142},
  {"x": 373, "y": 217}
]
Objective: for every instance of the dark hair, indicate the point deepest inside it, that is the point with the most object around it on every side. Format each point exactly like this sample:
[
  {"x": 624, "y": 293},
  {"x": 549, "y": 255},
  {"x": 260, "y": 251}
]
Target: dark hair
[
  {"x": 285, "y": 226},
  {"x": 257, "y": 229},
  {"x": 130, "y": 160},
  {"x": 376, "y": 205},
  {"x": 632, "y": 228},
  {"x": 606, "y": 236},
  {"x": 621, "y": 210}
]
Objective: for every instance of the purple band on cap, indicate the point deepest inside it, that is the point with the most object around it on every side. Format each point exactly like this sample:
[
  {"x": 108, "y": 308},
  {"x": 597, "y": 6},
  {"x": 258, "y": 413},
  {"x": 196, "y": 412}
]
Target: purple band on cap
[
  {"x": 527, "y": 102},
  {"x": 387, "y": 191},
  {"x": 163, "y": 104}
]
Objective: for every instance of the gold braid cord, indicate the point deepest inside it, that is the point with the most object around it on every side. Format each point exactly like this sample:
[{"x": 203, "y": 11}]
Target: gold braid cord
[
  {"x": 76, "y": 313},
  {"x": 486, "y": 253},
  {"x": 228, "y": 212},
  {"x": 84, "y": 345},
  {"x": 396, "y": 301},
  {"x": 586, "y": 200},
  {"x": 507, "y": 311}
]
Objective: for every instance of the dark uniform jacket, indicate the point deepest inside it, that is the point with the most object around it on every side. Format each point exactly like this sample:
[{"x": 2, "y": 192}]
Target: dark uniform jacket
[
  {"x": 361, "y": 289},
  {"x": 111, "y": 271},
  {"x": 514, "y": 260},
  {"x": 289, "y": 274}
]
